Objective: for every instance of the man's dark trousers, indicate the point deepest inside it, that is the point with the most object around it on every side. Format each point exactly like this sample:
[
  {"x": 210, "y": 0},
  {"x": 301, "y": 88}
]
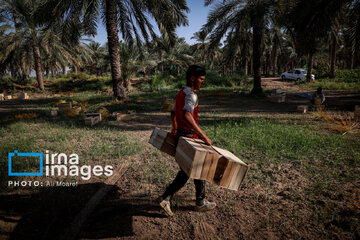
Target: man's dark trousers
[{"x": 181, "y": 178}]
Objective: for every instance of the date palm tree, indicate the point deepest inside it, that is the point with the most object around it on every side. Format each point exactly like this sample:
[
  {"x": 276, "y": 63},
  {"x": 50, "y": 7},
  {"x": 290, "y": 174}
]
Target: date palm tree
[
  {"x": 308, "y": 28},
  {"x": 201, "y": 47},
  {"x": 26, "y": 26},
  {"x": 235, "y": 15},
  {"x": 354, "y": 32},
  {"x": 131, "y": 17}
]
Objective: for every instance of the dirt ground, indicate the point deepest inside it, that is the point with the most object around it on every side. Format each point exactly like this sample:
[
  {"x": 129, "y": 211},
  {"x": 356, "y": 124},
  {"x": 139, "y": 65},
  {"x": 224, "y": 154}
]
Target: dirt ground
[{"x": 279, "y": 210}]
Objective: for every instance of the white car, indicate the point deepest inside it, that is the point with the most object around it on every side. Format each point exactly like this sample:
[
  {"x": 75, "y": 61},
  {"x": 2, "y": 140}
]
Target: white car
[{"x": 296, "y": 74}]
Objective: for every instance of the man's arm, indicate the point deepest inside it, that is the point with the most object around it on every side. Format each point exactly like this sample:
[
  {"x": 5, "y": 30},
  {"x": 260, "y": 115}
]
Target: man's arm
[
  {"x": 173, "y": 123},
  {"x": 190, "y": 119}
]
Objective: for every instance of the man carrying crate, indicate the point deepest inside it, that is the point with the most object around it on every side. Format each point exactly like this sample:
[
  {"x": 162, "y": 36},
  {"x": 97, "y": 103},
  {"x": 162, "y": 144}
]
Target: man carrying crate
[{"x": 184, "y": 122}]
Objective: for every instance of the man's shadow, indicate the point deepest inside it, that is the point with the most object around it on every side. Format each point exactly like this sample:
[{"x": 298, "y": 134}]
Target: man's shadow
[{"x": 48, "y": 213}]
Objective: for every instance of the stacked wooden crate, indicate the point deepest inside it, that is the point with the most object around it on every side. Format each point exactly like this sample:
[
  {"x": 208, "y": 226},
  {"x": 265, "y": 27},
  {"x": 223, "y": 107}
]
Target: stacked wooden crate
[
  {"x": 277, "y": 95},
  {"x": 211, "y": 163},
  {"x": 163, "y": 140},
  {"x": 200, "y": 161}
]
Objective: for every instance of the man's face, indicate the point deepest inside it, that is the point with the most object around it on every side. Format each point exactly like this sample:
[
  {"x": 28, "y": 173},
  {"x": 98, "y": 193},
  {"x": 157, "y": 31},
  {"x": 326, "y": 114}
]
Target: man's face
[{"x": 198, "y": 82}]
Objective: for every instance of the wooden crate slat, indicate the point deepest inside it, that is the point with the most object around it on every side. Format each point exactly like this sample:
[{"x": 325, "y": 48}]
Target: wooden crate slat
[
  {"x": 235, "y": 179},
  {"x": 228, "y": 155},
  {"x": 241, "y": 177},
  {"x": 183, "y": 160},
  {"x": 229, "y": 171},
  {"x": 197, "y": 164}
]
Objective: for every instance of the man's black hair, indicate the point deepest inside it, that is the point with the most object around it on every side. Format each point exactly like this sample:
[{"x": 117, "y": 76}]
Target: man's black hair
[
  {"x": 194, "y": 70},
  {"x": 319, "y": 90}
]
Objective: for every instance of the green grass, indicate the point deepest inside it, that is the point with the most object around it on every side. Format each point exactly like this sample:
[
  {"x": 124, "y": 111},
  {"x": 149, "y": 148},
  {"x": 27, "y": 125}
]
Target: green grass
[
  {"x": 321, "y": 155},
  {"x": 331, "y": 84}
]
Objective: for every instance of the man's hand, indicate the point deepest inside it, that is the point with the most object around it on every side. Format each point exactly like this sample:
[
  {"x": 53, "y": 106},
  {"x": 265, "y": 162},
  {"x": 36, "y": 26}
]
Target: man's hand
[
  {"x": 173, "y": 123},
  {"x": 189, "y": 118},
  {"x": 206, "y": 140},
  {"x": 173, "y": 131}
]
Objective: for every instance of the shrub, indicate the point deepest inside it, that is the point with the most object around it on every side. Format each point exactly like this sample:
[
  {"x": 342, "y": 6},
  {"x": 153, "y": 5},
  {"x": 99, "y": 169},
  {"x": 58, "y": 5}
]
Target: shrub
[
  {"x": 321, "y": 70},
  {"x": 348, "y": 75},
  {"x": 157, "y": 82},
  {"x": 79, "y": 76}
]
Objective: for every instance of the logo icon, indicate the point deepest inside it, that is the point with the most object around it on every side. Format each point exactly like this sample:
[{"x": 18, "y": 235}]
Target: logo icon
[{"x": 16, "y": 153}]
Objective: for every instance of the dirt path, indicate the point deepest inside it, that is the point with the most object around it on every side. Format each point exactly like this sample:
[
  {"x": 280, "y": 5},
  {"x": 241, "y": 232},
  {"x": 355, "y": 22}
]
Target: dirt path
[
  {"x": 255, "y": 212},
  {"x": 275, "y": 83}
]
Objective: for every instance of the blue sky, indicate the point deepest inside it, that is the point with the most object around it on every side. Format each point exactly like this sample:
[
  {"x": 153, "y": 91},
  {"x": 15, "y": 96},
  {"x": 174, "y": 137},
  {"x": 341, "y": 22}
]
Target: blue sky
[{"x": 197, "y": 17}]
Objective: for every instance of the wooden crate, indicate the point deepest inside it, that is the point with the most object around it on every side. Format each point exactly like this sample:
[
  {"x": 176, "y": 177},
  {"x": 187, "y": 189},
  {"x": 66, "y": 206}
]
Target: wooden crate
[
  {"x": 23, "y": 96},
  {"x": 279, "y": 98},
  {"x": 163, "y": 140},
  {"x": 51, "y": 113},
  {"x": 64, "y": 106},
  {"x": 92, "y": 118},
  {"x": 302, "y": 108},
  {"x": 196, "y": 159},
  {"x": 215, "y": 164},
  {"x": 123, "y": 116},
  {"x": 276, "y": 91},
  {"x": 230, "y": 171}
]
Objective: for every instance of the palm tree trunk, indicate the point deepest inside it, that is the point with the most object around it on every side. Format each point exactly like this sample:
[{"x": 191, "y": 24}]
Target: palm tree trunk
[
  {"x": 309, "y": 66},
  {"x": 246, "y": 66},
  {"x": 53, "y": 72},
  {"x": 268, "y": 64},
  {"x": 251, "y": 67},
  {"x": 37, "y": 62},
  {"x": 258, "y": 27},
  {"x": 64, "y": 70},
  {"x": 114, "y": 49},
  {"x": 275, "y": 71},
  {"x": 333, "y": 57},
  {"x": 47, "y": 75}
]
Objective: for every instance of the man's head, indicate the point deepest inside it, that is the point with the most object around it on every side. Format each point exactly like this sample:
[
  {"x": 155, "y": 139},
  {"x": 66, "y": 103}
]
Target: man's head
[
  {"x": 319, "y": 90},
  {"x": 195, "y": 77}
]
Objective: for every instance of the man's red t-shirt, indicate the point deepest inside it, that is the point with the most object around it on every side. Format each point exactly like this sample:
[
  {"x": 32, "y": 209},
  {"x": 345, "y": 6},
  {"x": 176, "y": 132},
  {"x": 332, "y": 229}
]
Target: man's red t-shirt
[{"x": 186, "y": 100}]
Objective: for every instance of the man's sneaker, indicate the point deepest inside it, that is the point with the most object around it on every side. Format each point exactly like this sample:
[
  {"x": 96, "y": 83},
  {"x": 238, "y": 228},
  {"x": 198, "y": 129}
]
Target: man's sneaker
[
  {"x": 165, "y": 204},
  {"x": 207, "y": 206}
]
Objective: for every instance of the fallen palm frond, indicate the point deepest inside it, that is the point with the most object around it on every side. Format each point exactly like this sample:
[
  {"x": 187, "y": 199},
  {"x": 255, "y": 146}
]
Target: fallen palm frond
[
  {"x": 72, "y": 112},
  {"x": 167, "y": 106},
  {"x": 83, "y": 104},
  {"x": 26, "y": 116},
  {"x": 104, "y": 113},
  {"x": 341, "y": 124}
]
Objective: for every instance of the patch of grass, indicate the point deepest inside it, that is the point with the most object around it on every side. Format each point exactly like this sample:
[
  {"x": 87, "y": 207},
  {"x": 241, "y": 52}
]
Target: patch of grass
[
  {"x": 331, "y": 84},
  {"x": 322, "y": 156}
]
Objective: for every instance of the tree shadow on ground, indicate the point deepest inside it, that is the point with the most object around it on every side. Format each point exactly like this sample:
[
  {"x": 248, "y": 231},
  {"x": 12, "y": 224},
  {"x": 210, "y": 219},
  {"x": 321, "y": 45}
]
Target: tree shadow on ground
[
  {"x": 48, "y": 213},
  {"x": 230, "y": 103}
]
